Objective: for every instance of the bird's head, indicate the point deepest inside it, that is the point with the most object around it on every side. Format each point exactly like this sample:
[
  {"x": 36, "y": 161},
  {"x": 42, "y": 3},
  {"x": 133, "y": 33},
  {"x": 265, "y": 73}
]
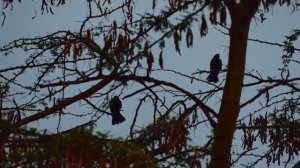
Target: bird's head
[{"x": 217, "y": 56}]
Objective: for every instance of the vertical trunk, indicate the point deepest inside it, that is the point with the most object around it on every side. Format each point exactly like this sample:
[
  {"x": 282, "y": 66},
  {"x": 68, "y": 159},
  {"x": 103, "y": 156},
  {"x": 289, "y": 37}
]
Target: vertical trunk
[
  {"x": 4, "y": 133},
  {"x": 241, "y": 15}
]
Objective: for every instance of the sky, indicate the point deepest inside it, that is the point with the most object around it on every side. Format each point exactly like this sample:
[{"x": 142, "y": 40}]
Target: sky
[{"x": 264, "y": 58}]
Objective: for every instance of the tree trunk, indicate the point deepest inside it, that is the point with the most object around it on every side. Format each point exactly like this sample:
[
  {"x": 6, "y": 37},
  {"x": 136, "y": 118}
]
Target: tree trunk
[{"x": 241, "y": 15}]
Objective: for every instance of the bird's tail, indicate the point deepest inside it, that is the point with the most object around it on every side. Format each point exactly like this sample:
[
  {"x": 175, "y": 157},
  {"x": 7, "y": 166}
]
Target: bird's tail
[
  {"x": 117, "y": 119},
  {"x": 212, "y": 78}
]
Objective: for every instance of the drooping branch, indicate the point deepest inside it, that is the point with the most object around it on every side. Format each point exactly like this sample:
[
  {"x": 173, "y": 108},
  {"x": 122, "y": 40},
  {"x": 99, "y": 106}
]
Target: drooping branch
[
  {"x": 207, "y": 110},
  {"x": 64, "y": 103}
]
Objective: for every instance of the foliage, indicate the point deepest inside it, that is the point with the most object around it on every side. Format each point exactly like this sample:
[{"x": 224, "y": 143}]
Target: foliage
[{"x": 76, "y": 148}]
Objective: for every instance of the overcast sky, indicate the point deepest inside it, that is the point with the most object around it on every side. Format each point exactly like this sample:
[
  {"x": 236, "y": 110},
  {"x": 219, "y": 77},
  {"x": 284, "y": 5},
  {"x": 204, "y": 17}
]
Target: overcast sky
[{"x": 264, "y": 58}]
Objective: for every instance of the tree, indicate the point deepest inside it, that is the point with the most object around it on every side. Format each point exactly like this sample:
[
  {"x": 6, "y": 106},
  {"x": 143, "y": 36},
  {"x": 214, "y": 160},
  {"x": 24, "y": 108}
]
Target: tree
[{"x": 107, "y": 55}]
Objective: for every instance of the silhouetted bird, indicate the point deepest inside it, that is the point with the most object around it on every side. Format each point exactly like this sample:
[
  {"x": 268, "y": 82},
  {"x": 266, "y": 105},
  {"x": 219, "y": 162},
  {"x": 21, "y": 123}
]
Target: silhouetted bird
[
  {"x": 215, "y": 68},
  {"x": 115, "y": 106}
]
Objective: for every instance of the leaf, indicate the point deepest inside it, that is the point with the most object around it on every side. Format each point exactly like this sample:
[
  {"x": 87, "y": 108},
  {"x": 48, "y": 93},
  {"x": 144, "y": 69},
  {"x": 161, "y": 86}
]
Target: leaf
[
  {"x": 107, "y": 43},
  {"x": 266, "y": 3},
  {"x": 161, "y": 61},
  {"x": 88, "y": 35},
  {"x": 51, "y": 11},
  {"x": 120, "y": 45},
  {"x": 203, "y": 28},
  {"x": 176, "y": 42},
  {"x": 150, "y": 60},
  {"x": 223, "y": 15},
  {"x": 267, "y": 96},
  {"x": 153, "y": 4},
  {"x": 146, "y": 53},
  {"x": 141, "y": 29},
  {"x": 75, "y": 52},
  {"x": 102, "y": 161},
  {"x": 49, "y": 93},
  {"x": 213, "y": 17},
  {"x": 189, "y": 38},
  {"x": 67, "y": 48},
  {"x": 126, "y": 41},
  {"x": 173, "y": 4},
  {"x": 114, "y": 28},
  {"x": 80, "y": 49},
  {"x": 162, "y": 44}
]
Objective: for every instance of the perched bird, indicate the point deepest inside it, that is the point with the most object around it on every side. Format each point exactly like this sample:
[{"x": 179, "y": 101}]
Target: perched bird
[
  {"x": 115, "y": 106},
  {"x": 215, "y": 68}
]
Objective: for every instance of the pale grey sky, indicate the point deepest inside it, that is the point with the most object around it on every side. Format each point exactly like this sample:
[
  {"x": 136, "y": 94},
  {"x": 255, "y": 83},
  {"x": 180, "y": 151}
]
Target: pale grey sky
[{"x": 264, "y": 58}]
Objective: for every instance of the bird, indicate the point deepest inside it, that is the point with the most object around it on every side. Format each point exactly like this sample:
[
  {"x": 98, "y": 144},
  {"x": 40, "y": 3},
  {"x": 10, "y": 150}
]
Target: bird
[
  {"x": 115, "y": 106},
  {"x": 215, "y": 68}
]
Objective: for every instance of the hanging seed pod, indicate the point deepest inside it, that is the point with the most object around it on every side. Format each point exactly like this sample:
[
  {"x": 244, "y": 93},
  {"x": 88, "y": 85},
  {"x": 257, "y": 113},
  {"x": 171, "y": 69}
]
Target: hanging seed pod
[
  {"x": 223, "y": 15},
  {"x": 203, "y": 27},
  {"x": 189, "y": 38},
  {"x": 161, "y": 61}
]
